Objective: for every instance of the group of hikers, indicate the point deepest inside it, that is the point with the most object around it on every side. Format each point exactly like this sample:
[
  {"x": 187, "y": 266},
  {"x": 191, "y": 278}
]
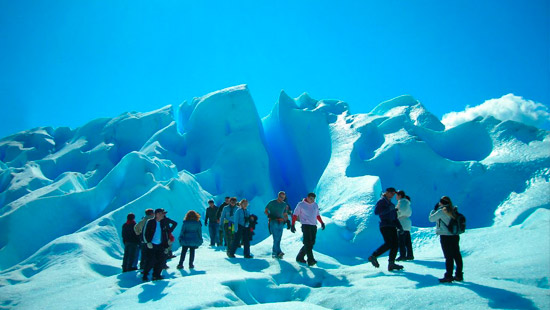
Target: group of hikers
[{"x": 231, "y": 225}]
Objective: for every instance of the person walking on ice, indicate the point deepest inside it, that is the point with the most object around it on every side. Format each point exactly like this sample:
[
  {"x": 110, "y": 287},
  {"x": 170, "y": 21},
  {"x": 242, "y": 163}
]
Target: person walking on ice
[
  {"x": 307, "y": 212},
  {"x": 389, "y": 223},
  {"x": 277, "y": 212}
]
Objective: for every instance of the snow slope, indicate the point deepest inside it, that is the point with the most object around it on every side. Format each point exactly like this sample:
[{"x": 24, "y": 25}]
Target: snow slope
[{"x": 65, "y": 194}]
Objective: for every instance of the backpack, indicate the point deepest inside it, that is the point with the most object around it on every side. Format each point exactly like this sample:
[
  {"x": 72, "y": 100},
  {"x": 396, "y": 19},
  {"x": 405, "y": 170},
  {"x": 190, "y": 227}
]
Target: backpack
[{"x": 457, "y": 224}]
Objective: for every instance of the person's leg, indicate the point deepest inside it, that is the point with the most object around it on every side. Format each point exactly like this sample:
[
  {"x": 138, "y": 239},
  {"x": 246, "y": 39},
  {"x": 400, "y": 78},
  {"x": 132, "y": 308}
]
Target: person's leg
[
  {"x": 221, "y": 233},
  {"x": 309, "y": 240},
  {"x": 133, "y": 248},
  {"x": 148, "y": 261},
  {"x": 457, "y": 256},
  {"x": 446, "y": 246},
  {"x": 182, "y": 256},
  {"x": 235, "y": 243},
  {"x": 125, "y": 258},
  {"x": 143, "y": 261},
  {"x": 393, "y": 243},
  {"x": 277, "y": 231},
  {"x": 159, "y": 261},
  {"x": 246, "y": 241},
  {"x": 401, "y": 239},
  {"x": 385, "y": 246},
  {"x": 212, "y": 233},
  {"x": 228, "y": 237},
  {"x": 191, "y": 257},
  {"x": 137, "y": 256},
  {"x": 408, "y": 245}
]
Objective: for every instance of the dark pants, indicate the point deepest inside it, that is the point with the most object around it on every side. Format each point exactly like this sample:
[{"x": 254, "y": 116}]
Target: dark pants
[
  {"x": 451, "y": 251},
  {"x": 228, "y": 235},
  {"x": 389, "y": 234},
  {"x": 221, "y": 234},
  {"x": 213, "y": 229},
  {"x": 143, "y": 261},
  {"x": 242, "y": 234},
  {"x": 191, "y": 255},
  {"x": 130, "y": 254},
  {"x": 310, "y": 234},
  {"x": 154, "y": 259},
  {"x": 405, "y": 245}
]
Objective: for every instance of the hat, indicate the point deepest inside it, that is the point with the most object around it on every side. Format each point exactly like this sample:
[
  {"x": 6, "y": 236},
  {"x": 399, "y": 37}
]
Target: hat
[
  {"x": 390, "y": 190},
  {"x": 160, "y": 210}
]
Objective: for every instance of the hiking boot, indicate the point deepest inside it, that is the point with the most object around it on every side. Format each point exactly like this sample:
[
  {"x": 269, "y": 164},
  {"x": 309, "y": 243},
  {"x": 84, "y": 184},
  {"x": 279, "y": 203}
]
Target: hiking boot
[
  {"x": 312, "y": 263},
  {"x": 446, "y": 280},
  {"x": 301, "y": 260},
  {"x": 280, "y": 255},
  {"x": 230, "y": 255},
  {"x": 145, "y": 279},
  {"x": 374, "y": 261},
  {"x": 459, "y": 277},
  {"x": 401, "y": 258},
  {"x": 191, "y": 266},
  {"x": 179, "y": 267},
  {"x": 158, "y": 278},
  {"x": 393, "y": 266},
  {"x": 409, "y": 258},
  {"x": 249, "y": 256}
]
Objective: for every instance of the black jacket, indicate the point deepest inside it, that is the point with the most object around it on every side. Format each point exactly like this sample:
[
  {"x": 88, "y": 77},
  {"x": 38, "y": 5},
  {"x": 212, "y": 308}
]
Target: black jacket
[
  {"x": 211, "y": 215},
  {"x": 219, "y": 211},
  {"x": 128, "y": 234},
  {"x": 166, "y": 225}
]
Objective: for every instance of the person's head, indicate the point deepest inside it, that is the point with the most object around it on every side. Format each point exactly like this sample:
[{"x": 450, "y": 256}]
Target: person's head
[
  {"x": 233, "y": 201},
  {"x": 149, "y": 212},
  {"x": 281, "y": 196},
  {"x": 159, "y": 214},
  {"x": 130, "y": 217},
  {"x": 227, "y": 199},
  {"x": 445, "y": 202},
  {"x": 311, "y": 197},
  {"x": 192, "y": 216},
  {"x": 244, "y": 203},
  {"x": 390, "y": 192},
  {"x": 400, "y": 195},
  {"x": 211, "y": 203}
]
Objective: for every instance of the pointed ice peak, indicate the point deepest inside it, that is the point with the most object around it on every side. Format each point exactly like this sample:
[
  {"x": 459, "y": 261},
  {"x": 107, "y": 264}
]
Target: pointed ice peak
[
  {"x": 306, "y": 102},
  {"x": 401, "y": 101},
  {"x": 286, "y": 101}
]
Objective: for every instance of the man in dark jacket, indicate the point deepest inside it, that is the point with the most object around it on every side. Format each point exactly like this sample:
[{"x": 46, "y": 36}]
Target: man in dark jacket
[
  {"x": 155, "y": 235},
  {"x": 389, "y": 223},
  {"x": 214, "y": 226},
  {"x": 131, "y": 243}
]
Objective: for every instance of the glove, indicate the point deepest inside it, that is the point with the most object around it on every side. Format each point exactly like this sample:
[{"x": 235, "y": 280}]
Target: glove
[
  {"x": 323, "y": 226},
  {"x": 149, "y": 245},
  {"x": 292, "y": 229}
]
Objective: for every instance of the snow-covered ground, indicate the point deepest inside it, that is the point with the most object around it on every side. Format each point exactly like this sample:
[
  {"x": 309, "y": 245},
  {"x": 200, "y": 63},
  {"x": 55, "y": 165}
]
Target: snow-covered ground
[{"x": 65, "y": 194}]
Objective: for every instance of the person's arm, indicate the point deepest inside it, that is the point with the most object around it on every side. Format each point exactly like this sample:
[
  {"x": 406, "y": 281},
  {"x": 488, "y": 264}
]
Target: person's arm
[
  {"x": 435, "y": 215},
  {"x": 171, "y": 224},
  {"x": 321, "y": 221}
]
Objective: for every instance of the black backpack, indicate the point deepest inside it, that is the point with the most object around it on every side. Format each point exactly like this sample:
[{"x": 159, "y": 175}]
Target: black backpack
[{"x": 457, "y": 224}]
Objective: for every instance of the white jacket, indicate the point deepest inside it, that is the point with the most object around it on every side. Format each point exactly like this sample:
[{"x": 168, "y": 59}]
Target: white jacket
[
  {"x": 441, "y": 220},
  {"x": 404, "y": 213}
]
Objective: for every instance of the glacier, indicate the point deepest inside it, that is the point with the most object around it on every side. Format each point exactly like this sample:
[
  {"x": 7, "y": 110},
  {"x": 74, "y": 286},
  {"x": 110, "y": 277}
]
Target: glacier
[{"x": 65, "y": 193}]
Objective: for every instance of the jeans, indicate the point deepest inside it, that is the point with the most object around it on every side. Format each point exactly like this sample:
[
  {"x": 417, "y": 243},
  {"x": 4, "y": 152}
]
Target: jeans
[
  {"x": 277, "y": 232},
  {"x": 191, "y": 255},
  {"x": 389, "y": 233},
  {"x": 310, "y": 233},
  {"x": 242, "y": 234},
  {"x": 405, "y": 245},
  {"x": 130, "y": 254},
  {"x": 451, "y": 251},
  {"x": 213, "y": 229}
]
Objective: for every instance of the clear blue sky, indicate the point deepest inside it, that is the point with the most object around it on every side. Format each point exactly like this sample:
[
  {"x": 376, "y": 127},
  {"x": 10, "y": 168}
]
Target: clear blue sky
[{"x": 66, "y": 62}]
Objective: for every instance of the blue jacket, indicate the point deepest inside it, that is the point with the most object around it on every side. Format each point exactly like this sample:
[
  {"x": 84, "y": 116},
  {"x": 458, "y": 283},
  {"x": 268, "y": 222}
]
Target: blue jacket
[
  {"x": 385, "y": 209},
  {"x": 241, "y": 218},
  {"x": 191, "y": 234}
]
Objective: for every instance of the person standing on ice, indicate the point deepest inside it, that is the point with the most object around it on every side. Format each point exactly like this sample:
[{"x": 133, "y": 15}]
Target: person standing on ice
[
  {"x": 131, "y": 244},
  {"x": 227, "y": 220},
  {"x": 190, "y": 237},
  {"x": 277, "y": 213},
  {"x": 404, "y": 213},
  {"x": 213, "y": 227},
  {"x": 441, "y": 216},
  {"x": 389, "y": 224},
  {"x": 138, "y": 229},
  {"x": 156, "y": 238},
  {"x": 242, "y": 230},
  {"x": 220, "y": 222},
  {"x": 307, "y": 211}
]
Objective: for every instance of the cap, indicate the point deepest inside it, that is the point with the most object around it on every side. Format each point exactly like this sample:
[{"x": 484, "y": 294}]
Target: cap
[{"x": 160, "y": 210}]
